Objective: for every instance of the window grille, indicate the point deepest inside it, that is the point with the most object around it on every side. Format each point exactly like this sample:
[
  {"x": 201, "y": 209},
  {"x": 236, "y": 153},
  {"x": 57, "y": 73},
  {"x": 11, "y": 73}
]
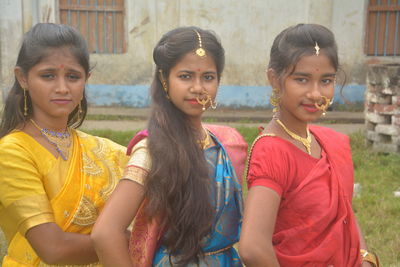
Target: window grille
[
  {"x": 383, "y": 28},
  {"x": 101, "y": 22}
]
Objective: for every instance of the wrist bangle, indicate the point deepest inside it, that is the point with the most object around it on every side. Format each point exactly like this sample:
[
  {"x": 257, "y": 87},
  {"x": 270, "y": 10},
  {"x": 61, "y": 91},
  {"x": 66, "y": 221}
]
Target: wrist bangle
[{"x": 370, "y": 257}]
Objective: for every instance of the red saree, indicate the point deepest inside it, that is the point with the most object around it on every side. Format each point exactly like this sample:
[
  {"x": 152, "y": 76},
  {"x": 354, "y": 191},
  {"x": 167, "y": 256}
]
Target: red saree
[{"x": 315, "y": 224}]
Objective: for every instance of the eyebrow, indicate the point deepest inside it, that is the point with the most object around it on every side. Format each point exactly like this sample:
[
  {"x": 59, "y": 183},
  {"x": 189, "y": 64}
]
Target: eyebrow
[
  {"x": 53, "y": 69},
  {"x": 206, "y": 72},
  {"x": 309, "y": 75}
]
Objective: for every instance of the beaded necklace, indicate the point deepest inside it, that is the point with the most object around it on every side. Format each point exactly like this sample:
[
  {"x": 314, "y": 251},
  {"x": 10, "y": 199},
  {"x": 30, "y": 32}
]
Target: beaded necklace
[
  {"x": 62, "y": 141},
  {"x": 206, "y": 141},
  {"x": 305, "y": 141}
]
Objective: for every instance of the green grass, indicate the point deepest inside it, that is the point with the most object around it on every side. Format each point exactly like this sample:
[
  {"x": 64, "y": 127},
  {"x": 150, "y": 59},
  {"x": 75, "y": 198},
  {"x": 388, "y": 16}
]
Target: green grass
[{"x": 376, "y": 208}]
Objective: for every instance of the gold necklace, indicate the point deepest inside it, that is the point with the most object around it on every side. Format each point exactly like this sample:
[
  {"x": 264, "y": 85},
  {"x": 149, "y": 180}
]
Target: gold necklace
[
  {"x": 305, "y": 141},
  {"x": 62, "y": 141},
  {"x": 206, "y": 141}
]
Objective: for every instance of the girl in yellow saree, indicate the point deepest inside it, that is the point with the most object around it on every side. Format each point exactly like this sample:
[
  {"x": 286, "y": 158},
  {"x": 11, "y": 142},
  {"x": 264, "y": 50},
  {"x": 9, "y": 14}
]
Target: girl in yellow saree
[{"x": 54, "y": 180}]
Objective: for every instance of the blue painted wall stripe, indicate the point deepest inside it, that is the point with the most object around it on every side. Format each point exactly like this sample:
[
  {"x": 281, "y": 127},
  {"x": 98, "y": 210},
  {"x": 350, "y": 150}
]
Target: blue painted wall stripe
[{"x": 228, "y": 95}]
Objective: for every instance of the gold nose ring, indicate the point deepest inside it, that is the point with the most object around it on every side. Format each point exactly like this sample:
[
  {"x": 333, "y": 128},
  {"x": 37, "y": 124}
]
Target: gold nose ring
[{"x": 323, "y": 106}]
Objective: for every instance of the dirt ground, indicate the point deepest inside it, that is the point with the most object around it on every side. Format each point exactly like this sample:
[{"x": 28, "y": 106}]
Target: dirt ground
[{"x": 344, "y": 122}]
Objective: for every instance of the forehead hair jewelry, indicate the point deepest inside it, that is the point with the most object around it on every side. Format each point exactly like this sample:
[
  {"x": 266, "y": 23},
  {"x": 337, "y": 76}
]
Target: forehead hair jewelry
[
  {"x": 200, "y": 50},
  {"x": 61, "y": 141},
  {"x": 316, "y": 47}
]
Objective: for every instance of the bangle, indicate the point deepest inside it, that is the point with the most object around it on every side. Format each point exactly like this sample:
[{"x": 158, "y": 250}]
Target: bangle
[{"x": 370, "y": 257}]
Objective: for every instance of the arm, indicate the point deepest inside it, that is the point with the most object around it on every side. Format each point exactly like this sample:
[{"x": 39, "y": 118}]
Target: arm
[
  {"x": 54, "y": 246},
  {"x": 109, "y": 232},
  {"x": 255, "y": 245},
  {"x": 363, "y": 245}
]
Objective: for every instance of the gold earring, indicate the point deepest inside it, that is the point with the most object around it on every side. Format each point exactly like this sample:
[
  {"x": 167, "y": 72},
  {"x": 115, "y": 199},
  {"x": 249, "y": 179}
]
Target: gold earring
[
  {"x": 25, "y": 103},
  {"x": 163, "y": 82},
  {"x": 275, "y": 99},
  {"x": 79, "y": 110},
  {"x": 213, "y": 104}
]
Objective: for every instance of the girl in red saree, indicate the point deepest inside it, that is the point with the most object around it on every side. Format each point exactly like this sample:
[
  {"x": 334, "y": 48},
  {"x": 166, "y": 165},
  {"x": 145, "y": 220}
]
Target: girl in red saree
[{"x": 300, "y": 177}]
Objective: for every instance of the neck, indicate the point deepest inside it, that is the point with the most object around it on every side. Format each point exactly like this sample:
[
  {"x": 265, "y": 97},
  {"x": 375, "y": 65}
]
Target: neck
[
  {"x": 198, "y": 127},
  {"x": 298, "y": 127},
  {"x": 58, "y": 125}
]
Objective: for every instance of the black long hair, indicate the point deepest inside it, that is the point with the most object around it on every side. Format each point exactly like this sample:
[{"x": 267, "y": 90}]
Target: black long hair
[
  {"x": 36, "y": 45},
  {"x": 297, "y": 41},
  {"x": 178, "y": 186}
]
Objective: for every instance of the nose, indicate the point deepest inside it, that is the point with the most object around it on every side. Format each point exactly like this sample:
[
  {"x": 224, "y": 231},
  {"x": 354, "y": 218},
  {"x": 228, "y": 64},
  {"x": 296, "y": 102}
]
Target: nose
[
  {"x": 197, "y": 87},
  {"x": 61, "y": 86},
  {"x": 314, "y": 92}
]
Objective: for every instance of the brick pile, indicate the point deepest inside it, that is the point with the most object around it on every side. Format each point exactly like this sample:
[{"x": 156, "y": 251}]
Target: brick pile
[{"x": 382, "y": 107}]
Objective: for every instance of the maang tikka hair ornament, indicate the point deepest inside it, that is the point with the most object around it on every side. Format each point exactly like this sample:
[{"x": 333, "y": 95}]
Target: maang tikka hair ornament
[
  {"x": 316, "y": 47},
  {"x": 200, "y": 50}
]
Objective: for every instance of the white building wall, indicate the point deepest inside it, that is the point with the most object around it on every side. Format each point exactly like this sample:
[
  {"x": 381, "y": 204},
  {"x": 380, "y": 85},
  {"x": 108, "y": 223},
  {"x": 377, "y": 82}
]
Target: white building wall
[{"x": 246, "y": 29}]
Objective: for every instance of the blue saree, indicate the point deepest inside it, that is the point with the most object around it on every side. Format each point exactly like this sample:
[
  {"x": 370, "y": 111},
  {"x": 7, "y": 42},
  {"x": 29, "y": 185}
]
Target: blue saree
[{"x": 228, "y": 204}]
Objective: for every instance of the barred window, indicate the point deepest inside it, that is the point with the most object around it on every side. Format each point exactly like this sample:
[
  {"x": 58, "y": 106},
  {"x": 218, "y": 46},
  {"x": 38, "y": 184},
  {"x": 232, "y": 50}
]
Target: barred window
[
  {"x": 101, "y": 22},
  {"x": 383, "y": 28}
]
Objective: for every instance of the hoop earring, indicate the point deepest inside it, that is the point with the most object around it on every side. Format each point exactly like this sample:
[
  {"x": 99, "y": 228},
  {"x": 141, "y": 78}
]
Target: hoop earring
[
  {"x": 275, "y": 99},
  {"x": 163, "y": 83},
  {"x": 213, "y": 104},
  {"x": 80, "y": 110},
  {"x": 25, "y": 103}
]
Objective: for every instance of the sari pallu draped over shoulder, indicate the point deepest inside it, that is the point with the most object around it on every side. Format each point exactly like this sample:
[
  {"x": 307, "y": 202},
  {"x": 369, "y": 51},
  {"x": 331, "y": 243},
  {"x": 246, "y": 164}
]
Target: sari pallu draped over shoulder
[
  {"x": 146, "y": 247},
  {"x": 334, "y": 233},
  {"x": 315, "y": 224},
  {"x": 94, "y": 170}
]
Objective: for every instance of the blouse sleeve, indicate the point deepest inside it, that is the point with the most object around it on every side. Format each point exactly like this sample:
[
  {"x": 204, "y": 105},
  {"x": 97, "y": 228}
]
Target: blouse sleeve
[
  {"x": 268, "y": 165},
  {"x": 22, "y": 193},
  {"x": 139, "y": 164}
]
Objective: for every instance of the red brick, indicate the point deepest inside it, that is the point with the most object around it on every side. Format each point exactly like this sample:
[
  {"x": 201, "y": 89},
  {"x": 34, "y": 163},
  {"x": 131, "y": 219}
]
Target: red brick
[
  {"x": 385, "y": 109},
  {"x": 396, "y": 120}
]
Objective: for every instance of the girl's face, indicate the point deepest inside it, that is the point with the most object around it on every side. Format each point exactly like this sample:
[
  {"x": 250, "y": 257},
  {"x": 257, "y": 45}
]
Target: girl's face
[
  {"x": 191, "y": 77},
  {"x": 55, "y": 85},
  {"x": 312, "y": 78}
]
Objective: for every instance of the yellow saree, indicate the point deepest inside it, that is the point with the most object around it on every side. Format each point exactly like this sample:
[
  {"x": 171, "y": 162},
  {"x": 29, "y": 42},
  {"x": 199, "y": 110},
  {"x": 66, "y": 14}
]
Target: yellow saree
[{"x": 36, "y": 188}]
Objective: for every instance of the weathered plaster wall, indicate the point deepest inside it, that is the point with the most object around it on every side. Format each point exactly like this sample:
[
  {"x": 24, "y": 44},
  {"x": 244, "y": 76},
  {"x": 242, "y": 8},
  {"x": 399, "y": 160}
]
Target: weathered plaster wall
[{"x": 246, "y": 29}]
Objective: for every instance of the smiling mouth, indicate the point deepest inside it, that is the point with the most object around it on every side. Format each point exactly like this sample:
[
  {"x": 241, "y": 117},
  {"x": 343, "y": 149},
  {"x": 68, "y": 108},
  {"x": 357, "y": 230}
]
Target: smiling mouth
[
  {"x": 193, "y": 101},
  {"x": 310, "y": 107}
]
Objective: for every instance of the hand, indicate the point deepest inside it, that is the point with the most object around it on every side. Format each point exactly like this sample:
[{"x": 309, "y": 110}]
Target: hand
[{"x": 367, "y": 264}]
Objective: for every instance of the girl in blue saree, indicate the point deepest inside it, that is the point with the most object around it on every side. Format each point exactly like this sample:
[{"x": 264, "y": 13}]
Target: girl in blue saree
[{"x": 179, "y": 185}]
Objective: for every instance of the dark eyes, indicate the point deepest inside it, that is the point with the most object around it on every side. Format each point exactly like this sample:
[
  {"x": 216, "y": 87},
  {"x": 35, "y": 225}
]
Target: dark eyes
[
  {"x": 305, "y": 80},
  {"x": 207, "y": 77},
  {"x": 70, "y": 76}
]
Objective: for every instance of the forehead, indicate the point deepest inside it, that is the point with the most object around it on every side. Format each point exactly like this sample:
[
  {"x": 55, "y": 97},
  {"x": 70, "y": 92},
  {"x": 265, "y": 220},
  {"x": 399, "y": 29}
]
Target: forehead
[
  {"x": 59, "y": 57},
  {"x": 314, "y": 63},
  {"x": 191, "y": 61}
]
